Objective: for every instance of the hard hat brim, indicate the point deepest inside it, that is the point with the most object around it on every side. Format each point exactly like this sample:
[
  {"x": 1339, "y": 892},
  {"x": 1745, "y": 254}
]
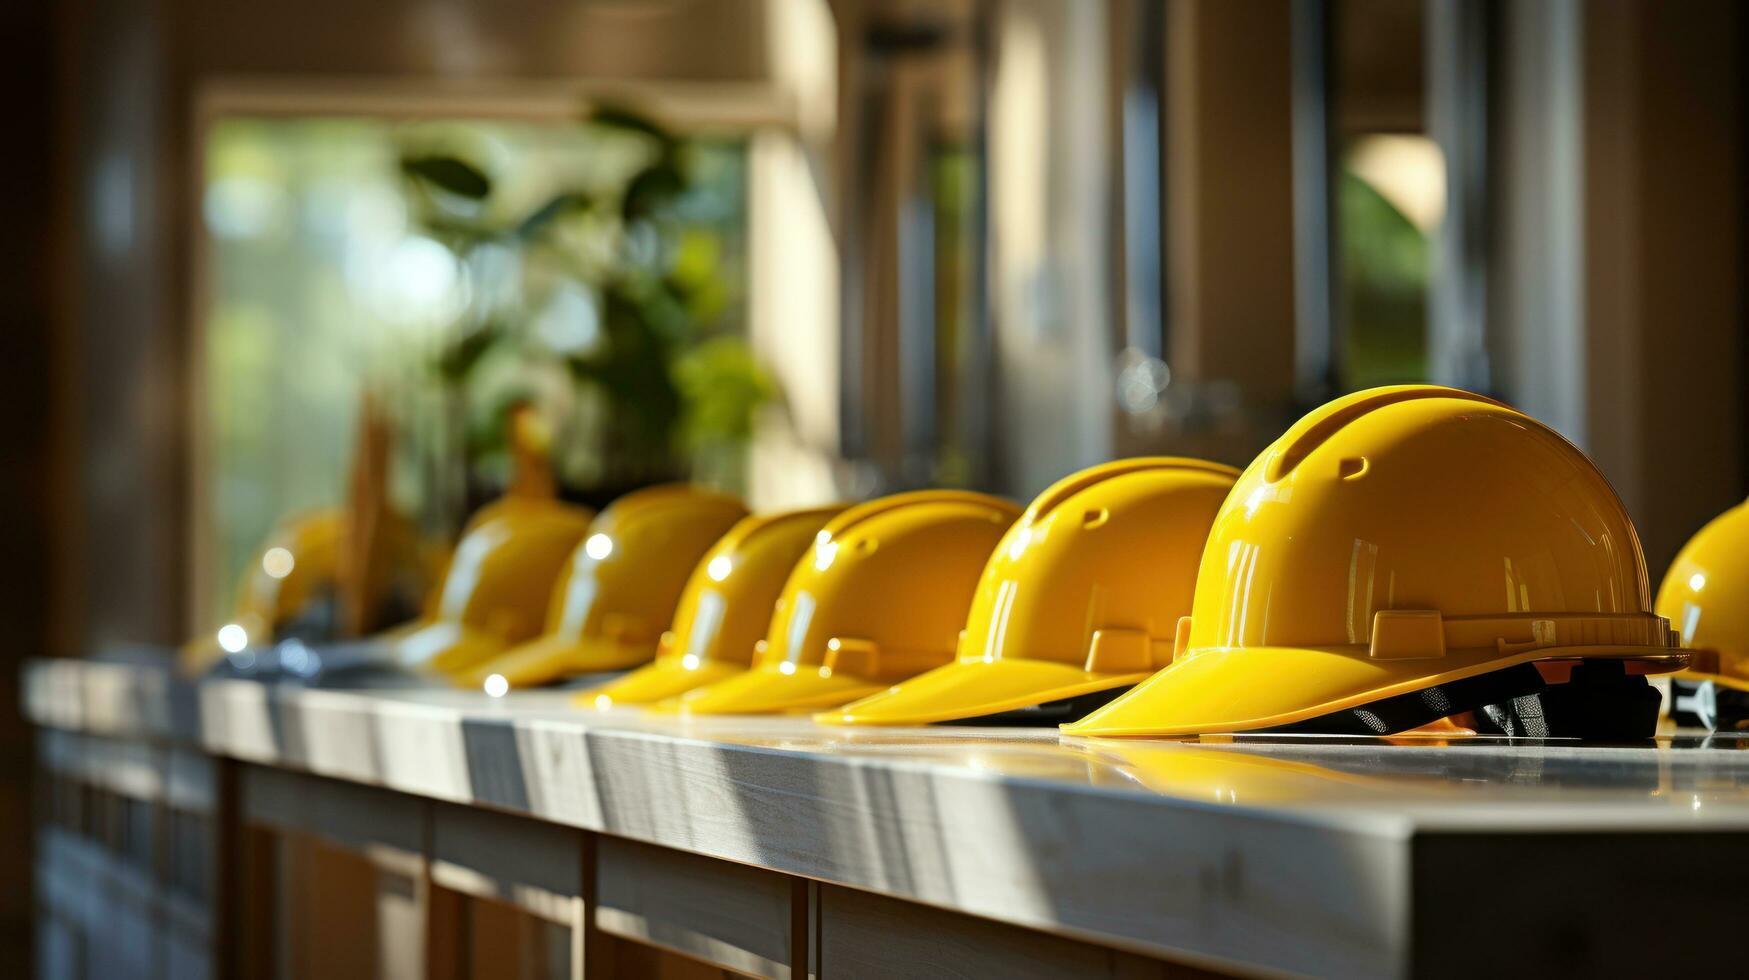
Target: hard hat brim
[
  {"x": 666, "y": 678},
  {"x": 1250, "y": 688},
  {"x": 768, "y": 690},
  {"x": 444, "y": 647},
  {"x": 974, "y": 688},
  {"x": 552, "y": 657}
]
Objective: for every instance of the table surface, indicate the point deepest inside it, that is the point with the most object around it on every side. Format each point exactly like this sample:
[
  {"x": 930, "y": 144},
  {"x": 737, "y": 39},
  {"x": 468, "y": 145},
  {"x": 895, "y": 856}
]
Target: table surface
[{"x": 1182, "y": 848}]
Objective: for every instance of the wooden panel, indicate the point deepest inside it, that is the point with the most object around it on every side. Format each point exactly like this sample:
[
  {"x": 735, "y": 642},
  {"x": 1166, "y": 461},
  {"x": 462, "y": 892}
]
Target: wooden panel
[
  {"x": 532, "y": 865},
  {"x": 389, "y": 827},
  {"x": 53, "y": 694},
  {"x": 868, "y": 936},
  {"x": 400, "y": 924},
  {"x": 864, "y": 935},
  {"x": 1572, "y": 906},
  {"x": 507, "y": 896},
  {"x": 102, "y": 900},
  {"x": 255, "y": 905},
  {"x": 318, "y": 910},
  {"x": 190, "y": 835},
  {"x": 503, "y": 941},
  {"x": 343, "y": 867},
  {"x": 1663, "y": 255},
  {"x": 722, "y": 913},
  {"x": 1230, "y": 224},
  {"x": 327, "y": 922},
  {"x": 188, "y": 955},
  {"x": 446, "y": 946},
  {"x": 133, "y": 769},
  {"x": 57, "y": 947},
  {"x": 121, "y": 700},
  {"x": 629, "y": 958},
  {"x": 57, "y": 751}
]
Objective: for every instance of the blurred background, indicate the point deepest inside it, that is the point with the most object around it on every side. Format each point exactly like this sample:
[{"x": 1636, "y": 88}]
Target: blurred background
[{"x": 816, "y": 249}]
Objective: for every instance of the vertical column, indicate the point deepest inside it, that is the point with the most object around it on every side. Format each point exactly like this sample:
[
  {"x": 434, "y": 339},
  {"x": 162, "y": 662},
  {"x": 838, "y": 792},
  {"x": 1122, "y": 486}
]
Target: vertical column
[
  {"x": 1536, "y": 328},
  {"x": 1231, "y": 192},
  {"x": 1314, "y": 211},
  {"x": 1664, "y": 302},
  {"x": 1460, "y": 48},
  {"x": 1051, "y": 239}
]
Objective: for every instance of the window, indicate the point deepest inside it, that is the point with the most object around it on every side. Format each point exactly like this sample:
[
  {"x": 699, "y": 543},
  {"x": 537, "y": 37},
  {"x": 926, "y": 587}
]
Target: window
[{"x": 455, "y": 269}]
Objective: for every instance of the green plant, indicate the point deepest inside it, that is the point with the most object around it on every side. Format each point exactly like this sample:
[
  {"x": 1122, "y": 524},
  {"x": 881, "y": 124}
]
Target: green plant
[
  {"x": 1385, "y": 262},
  {"x": 637, "y": 244}
]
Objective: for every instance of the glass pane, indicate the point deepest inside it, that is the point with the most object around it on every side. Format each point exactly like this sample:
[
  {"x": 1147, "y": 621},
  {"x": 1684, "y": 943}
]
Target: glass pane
[
  {"x": 594, "y": 270},
  {"x": 1391, "y": 200}
]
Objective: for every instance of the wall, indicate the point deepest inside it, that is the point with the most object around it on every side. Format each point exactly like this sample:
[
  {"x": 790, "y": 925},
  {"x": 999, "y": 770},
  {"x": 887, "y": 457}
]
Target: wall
[
  {"x": 1664, "y": 259},
  {"x": 26, "y": 435}
]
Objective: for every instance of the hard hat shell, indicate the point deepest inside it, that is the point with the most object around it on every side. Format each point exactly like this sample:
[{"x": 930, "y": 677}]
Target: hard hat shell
[
  {"x": 619, "y": 589},
  {"x": 1705, "y": 596},
  {"x": 724, "y": 611},
  {"x": 880, "y": 597},
  {"x": 1083, "y": 594},
  {"x": 312, "y": 545},
  {"x": 495, "y": 592},
  {"x": 296, "y": 569},
  {"x": 1394, "y": 540}
]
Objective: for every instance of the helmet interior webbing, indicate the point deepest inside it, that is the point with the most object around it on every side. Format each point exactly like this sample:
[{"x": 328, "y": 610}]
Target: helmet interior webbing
[
  {"x": 1057, "y": 712},
  {"x": 1601, "y": 701},
  {"x": 1389, "y": 716}
]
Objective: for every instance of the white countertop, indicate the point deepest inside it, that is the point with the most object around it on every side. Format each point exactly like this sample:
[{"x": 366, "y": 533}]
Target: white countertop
[{"x": 1183, "y": 848}]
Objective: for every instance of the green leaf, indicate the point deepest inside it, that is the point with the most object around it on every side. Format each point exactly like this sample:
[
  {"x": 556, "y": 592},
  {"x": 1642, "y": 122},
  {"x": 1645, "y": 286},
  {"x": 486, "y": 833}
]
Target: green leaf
[
  {"x": 722, "y": 385},
  {"x": 459, "y": 358},
  {"x": 698, "y": 254},
  {"x": 652, "y": 191},
  {"x": 590, "y": 368},
  {"x": 449, "y": 174},
  {"x": 630, "y": 120},
  {"x": 567, "y": 203}
]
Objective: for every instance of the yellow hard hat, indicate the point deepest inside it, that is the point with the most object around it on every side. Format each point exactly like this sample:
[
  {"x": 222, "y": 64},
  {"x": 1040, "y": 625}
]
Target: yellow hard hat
[
  {"x": 1080, "y": 599},
  {"x": 1409, "y": 553},
  {"x": 881, "y": 597},
  {"x": 1705, "y": 596},
  {"x": 495, "y": 591},
  {"x": 725, "y": 610},
  {"x": 620, "y": 587},
  {"x": 288, "y": 588}
]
